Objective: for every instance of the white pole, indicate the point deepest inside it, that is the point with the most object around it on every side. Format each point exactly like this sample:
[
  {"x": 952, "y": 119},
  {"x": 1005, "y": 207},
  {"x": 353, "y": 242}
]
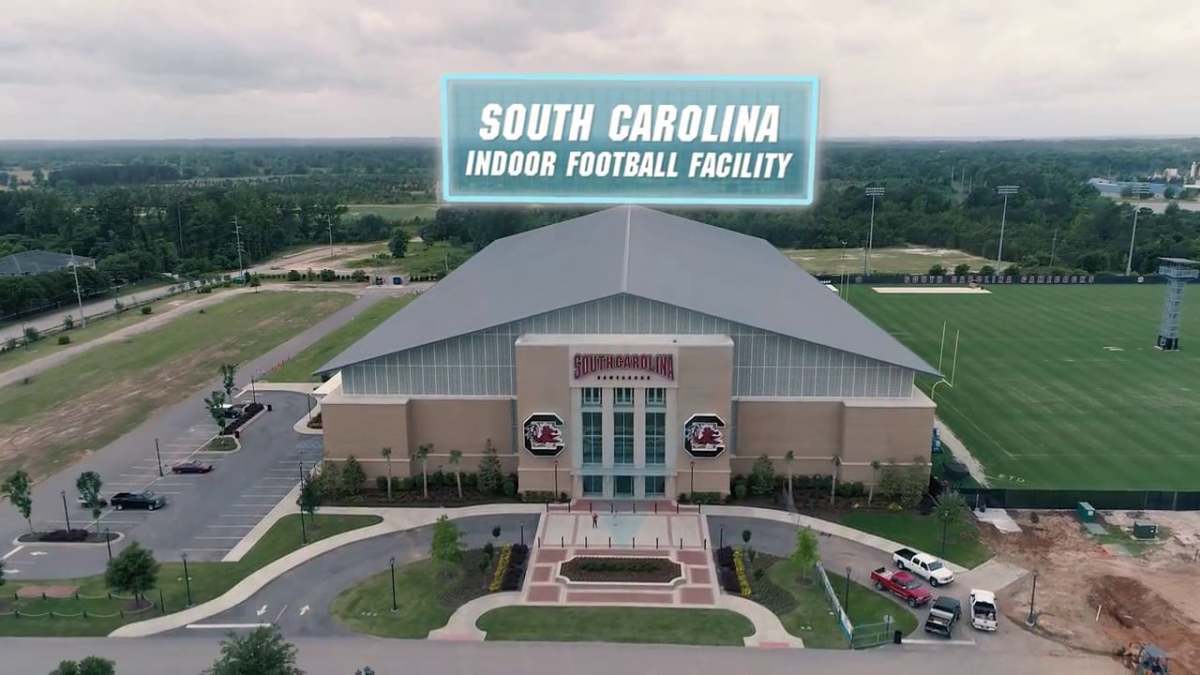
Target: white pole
[
  {"x": 329, "y": 224},
  {"x": 1129, "y": 258},
  {"x": 1000, "y": 251},
  {"x": 942, "y": 346},
  {"x": 237, "y": 231},
  {"x": 870, "y": 240},
  {"x": 78, "y": 294},
  {"x": 954, "y": 366}
]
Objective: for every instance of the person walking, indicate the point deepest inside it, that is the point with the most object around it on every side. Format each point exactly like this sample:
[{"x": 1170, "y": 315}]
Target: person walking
[{"x": 595, "y": 520}]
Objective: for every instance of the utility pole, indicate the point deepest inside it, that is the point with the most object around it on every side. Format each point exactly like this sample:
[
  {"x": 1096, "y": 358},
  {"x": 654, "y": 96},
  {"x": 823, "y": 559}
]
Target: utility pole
[
  {"x": 1138, "y": 189},
  {"x": 78, "y": 293},
  {"x": 237, "y": 231},
  {"x": 873, "y": 193},
  {"x": 1005, "y": 190},
  {"x": 1053, "y": 246},
  {"x": 329, "y": 225}
]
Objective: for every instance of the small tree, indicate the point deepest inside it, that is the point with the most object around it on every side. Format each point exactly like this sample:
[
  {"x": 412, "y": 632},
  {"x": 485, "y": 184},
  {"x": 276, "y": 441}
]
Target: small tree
[
  {"x": 353, "y": 476},
  {"x": 987, "y": 270},
  {"x": 133, "y": 570},
  {"x": 89, "y": 484},
  {"x": 1, "y": 572},
  {"x": 762, "y": 477},
  {"x": 309, "y": 499},
  {"x": 398, "y": 244},
  {"x": 874, "y": 480},
  {"x": 216, "y": 408},
  {"x": 387, "y": 457},
  {"x": 746, "y": 535},
  {"x": 951, "y": 511},
  {"x": 455, "y": 461},
  {"x": 421, "y": 454},
  {"x": 937, "y": 270},
  {"x": 329, "y": 481},
  {"x": 16, "y": 488},
  {"x": 228, "y": 375},
  {"x": 837, "y": 464},
  {"x": 491, "y": 474},
  {"x": 32, "y": 335},
  {"x": 89, "y": 665},
  {"x": 962, "y": 269},
  {"x": 447, "y": 542},
  {"x": 807, "y": 551},
  {"x": 262, "y": 651},
  {"x": 68, "y": 322}
]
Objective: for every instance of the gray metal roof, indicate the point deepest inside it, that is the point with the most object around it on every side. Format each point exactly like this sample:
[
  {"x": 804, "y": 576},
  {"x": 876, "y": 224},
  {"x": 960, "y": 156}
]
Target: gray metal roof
[
  {"x": 641, "y": 252},
  {"x": 36, "y": 262}
]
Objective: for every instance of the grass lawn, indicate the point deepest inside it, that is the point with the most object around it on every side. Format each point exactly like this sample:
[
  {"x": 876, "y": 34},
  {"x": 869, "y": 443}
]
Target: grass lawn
[
  {"x": 393, "y": 211},
  {"x": 963, "y": 545},
  {"x": 899, "y": 259},
  {"x": 300, "y": 367},
  {"x": 208, "y": 580},
  {"x": 617, "y": 624},
  {"x": 421, "y": 259},
  {"x": 95, "y": 328},
  {"x": 425, "y": 596},
  {"x": 82, "y": 405},
  {"x": 1061, "y": 386},
  {"x": 804, "y": 611}
]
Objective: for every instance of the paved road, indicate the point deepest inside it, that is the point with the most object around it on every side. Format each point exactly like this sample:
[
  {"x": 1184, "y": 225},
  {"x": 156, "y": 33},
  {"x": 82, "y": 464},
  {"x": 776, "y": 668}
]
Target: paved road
[
  {"x": 54, "y": 318},
  {"x": 129, "y": 462},
  {"x": 299, "y": 601},
  {"x": 342, "y": 655}
]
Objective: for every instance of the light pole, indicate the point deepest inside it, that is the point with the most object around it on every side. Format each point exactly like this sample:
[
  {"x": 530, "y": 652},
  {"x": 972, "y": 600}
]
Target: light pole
[
  {"x": 253, "y": 394},
  {"x": 66, "y": 513},
  {"x": 873, "y": 193},
  {"x": 1138, "y": 189},
  {"x": 329, "y": 225},
  {"x": 78, "y": 294},
  {"x": 158, "y": 454},
  {"x": 303, "y": 529},
  {"x": 693, "y": 495},
  {"x": 392, "y": 564},
  {"x": 108, "y": 542},
  {"x": 1005, "y": 190},
  {"x": 237, "y": 231},
  {"x": 1032, "y": 620},
  {"x": 187, "y": 580}
]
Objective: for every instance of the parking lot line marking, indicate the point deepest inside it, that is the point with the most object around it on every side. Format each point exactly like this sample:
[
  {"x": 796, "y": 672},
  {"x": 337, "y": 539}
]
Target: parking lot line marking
[
  {"x": 236, "y": 515},
  {"x": 11, "y": 553},
  {"x": 231, "y": 527},
  {"x": 226, "y": 626},
  {"x": 216, "y": 537},
  {"x": 920, "y": 641}
]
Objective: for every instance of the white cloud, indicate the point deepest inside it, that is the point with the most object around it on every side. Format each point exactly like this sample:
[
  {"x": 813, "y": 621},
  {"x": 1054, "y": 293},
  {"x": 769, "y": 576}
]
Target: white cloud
[{"x": 364, "y": 68}]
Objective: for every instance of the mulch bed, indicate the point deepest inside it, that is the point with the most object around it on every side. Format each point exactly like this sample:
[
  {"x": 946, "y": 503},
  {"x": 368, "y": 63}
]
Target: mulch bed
[
  {"x": 72, "y": 536},
  {"x": 48, "y": 591},
  {"x": 437, "y": 497},
  {"x": 606, "y": 569}
]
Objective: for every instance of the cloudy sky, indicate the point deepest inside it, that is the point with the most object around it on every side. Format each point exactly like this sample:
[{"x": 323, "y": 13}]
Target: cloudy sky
[{"x": 358, "y": 68}]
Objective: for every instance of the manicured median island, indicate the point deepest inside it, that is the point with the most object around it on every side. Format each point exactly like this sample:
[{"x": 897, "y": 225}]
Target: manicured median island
[
  {"x": 963, "y": 544},
  {"x": 617, "y": 624},
  {"x": 801, "y": 605},
  {"x": 208, "y": 580},
  {"x": 427, "y": 593}
]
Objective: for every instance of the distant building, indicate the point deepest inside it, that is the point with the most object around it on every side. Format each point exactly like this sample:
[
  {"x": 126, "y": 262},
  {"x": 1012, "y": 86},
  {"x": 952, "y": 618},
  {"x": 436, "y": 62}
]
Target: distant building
[
  {"x": 26, "y": 263},
  {"x": 1195, "y": 172}
]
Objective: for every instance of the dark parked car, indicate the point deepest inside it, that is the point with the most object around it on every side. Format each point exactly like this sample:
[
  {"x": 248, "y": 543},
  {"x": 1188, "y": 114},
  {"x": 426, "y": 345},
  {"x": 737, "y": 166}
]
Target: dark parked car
[
  {"x": 191, "y": 467},
  {"x": 943, "y": 614},
  {"x": 138, "y": 500}
]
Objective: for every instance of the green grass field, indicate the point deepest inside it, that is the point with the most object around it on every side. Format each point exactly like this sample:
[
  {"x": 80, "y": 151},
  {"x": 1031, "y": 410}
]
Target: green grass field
[
  {"x": 1060, "y": 386},
  {"x": 617, "y": 624},
  {"x": 393, "y": 211},
  {"x": 208, "y": 580},
  {"x": 963, "y": 545},
  {"x": 899, "y": 259},
  {"x": 92, "y": 399},
  {"x": 300, "y": 367}
]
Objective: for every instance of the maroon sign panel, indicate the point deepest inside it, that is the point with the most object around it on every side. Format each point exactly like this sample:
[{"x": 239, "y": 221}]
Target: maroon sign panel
[{"x": 662, "y": 365}]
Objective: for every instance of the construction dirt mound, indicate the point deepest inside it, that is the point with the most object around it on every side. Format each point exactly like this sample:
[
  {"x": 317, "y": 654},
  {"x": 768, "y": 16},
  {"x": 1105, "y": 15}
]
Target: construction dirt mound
[{"x": 1132, "y": 612}]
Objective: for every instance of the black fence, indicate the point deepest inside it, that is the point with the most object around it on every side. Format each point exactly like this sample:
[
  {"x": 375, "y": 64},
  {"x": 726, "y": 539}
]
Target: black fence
[{"x": 1132, "y": 500}]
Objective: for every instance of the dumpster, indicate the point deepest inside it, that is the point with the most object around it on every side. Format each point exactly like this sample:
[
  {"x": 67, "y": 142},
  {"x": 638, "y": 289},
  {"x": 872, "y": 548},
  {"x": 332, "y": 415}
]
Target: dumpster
[{"x": 1144, "y": 530}]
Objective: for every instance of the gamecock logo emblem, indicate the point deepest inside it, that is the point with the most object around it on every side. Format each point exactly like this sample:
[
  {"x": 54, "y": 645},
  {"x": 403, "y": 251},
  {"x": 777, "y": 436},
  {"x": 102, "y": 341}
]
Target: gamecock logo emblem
[
  {"x": 544, "y": 434},
  {"x": 704, "y": 435}
]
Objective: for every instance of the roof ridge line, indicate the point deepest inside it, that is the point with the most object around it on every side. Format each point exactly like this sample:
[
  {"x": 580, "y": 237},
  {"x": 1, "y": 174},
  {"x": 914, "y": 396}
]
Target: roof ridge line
[{"x": 625, "y": 262}]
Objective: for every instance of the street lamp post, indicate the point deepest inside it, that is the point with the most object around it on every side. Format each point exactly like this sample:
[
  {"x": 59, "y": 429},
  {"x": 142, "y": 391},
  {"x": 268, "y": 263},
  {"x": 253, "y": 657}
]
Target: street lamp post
[
  {"x": 187, "y": 580},
  {"x": 556, "y": 479},
  {"x": 1005, "y": 190},
  {"x": 1032, "y": 620},
  {"x": 1138, "y": 189},
  {"x": 392, "y": 564},
  {"x": 873, "y": 193},
  {"x": 693, "y": 495},
  {"x": 158, "y": 454},
  {"x": 108, "y": 542},
  {"x": 303, "y": 529},
  {"x": 66, "y": 512}
]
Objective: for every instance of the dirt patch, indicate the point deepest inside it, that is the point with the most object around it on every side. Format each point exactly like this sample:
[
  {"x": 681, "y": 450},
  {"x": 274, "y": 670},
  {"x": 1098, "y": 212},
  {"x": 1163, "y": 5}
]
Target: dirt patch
[
  {"x": 1091, "y": 600},
  {"x": 31, "y": 592}
]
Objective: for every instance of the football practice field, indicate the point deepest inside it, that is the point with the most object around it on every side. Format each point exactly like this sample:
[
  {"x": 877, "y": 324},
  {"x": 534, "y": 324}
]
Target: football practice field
[{"x": 1061, "y": 386}]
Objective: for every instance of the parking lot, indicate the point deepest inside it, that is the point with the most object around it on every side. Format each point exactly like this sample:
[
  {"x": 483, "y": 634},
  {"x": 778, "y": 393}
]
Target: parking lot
[{"x": 205, "y": 515}]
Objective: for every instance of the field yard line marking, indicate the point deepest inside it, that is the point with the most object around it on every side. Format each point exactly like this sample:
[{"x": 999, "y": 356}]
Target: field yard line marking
[
  {"x": 226, "y": 626},
  {"x": 12, "y": 553}
]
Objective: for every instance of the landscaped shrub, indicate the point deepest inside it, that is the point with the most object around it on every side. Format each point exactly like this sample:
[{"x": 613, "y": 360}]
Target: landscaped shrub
[
  {"x": 381, "y": 483},
  {"x": 739, "y": 490},
  {"x": 204, "y": 289},
  {"x": 293, "y": 275},
  {"x": 358, "y": 276},
  {"x": 514, "y": 572},
  {"x": 501, "y": 569},
  {"x": 437, "y": 479},
  {"x": 762, "y": 477},
  {"x": 328, "y": 275},
  {"x": 491, "y": 476},
  {"x": 729, "y": 581},
  {"x": 470, "y": 481},
  {"x": 739, "y": 566},
  {"x": 248, "y": 414},
  {"x": 724, "y": 556},
  {"x": 353, "y": 476},
  {"x": 146, "y": 309},
  {"x": 510, "y": 488},
  {"x": 704, "y": 498},
  {"x": 64, "y": 339}
]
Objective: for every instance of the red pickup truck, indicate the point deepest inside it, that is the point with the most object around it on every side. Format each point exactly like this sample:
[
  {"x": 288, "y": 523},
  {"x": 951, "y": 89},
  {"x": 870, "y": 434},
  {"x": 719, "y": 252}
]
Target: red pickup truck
[{"x": 901, "y": 584}]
